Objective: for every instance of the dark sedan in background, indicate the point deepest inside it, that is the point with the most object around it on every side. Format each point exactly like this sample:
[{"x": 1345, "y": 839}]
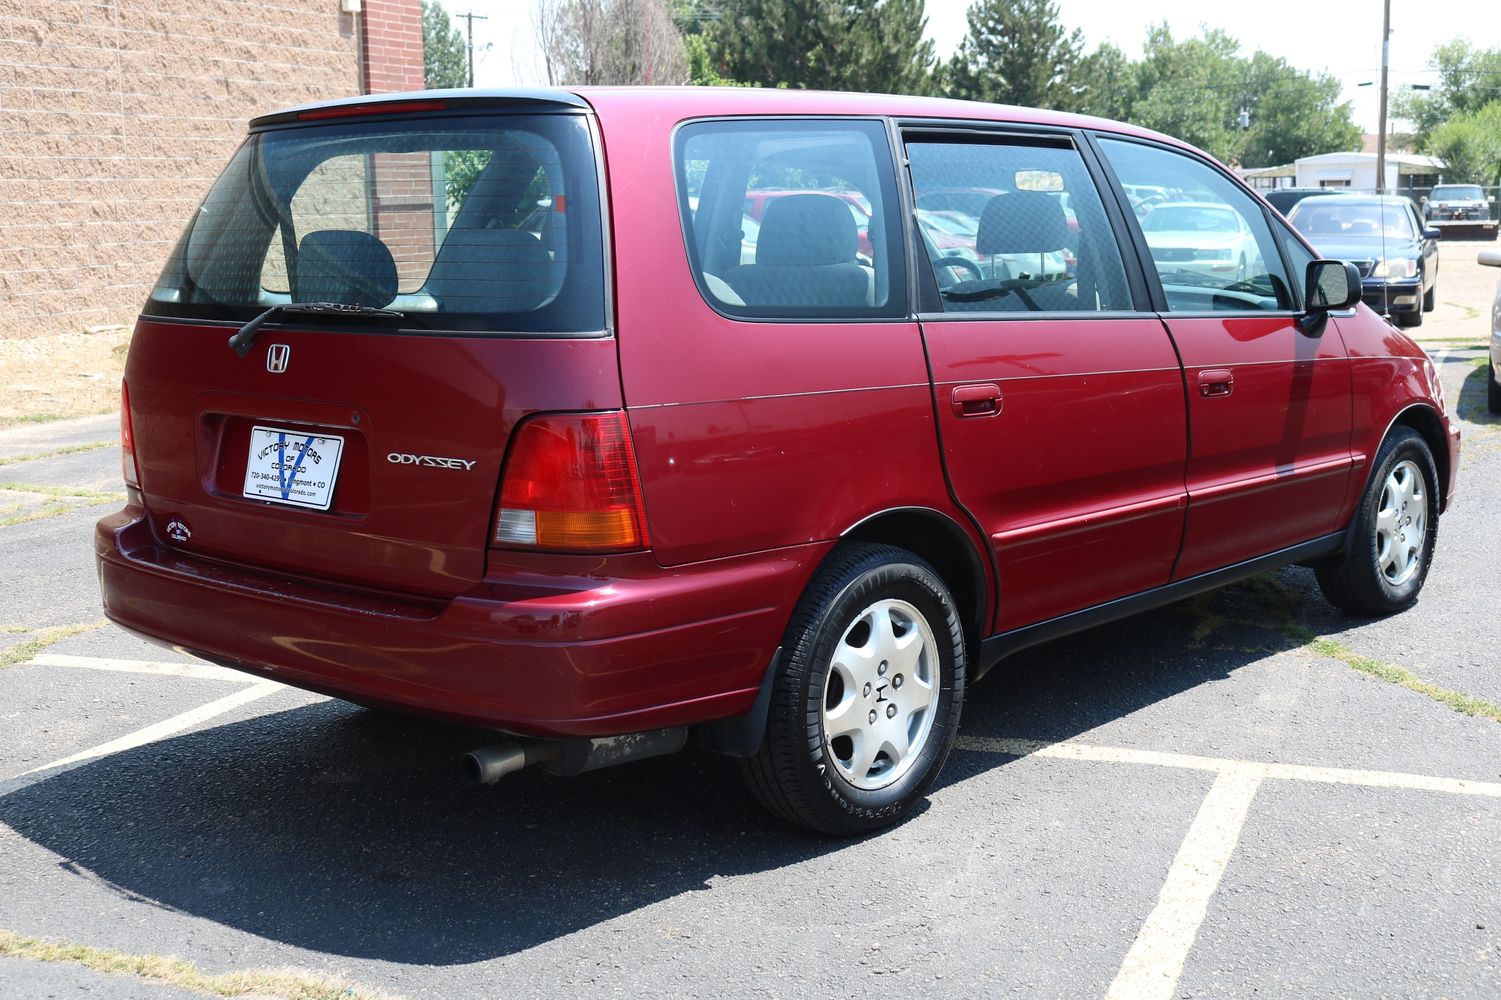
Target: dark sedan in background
[{"x": 1385, "y": 238}]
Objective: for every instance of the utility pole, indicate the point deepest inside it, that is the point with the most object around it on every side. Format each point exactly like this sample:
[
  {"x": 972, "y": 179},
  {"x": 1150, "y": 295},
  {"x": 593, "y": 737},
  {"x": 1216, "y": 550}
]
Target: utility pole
[
  {"x": 471, "y": 17},
  {"x": 1386, "y": 36}
]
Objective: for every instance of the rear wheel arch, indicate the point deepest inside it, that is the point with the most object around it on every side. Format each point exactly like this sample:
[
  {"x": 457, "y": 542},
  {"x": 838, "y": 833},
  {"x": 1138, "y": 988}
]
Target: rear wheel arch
[{"x": 940, "y": 541}]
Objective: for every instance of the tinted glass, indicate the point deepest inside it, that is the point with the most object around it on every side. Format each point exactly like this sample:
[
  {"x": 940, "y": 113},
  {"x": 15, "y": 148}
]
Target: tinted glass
[
  {"x": 1014, "y": 228},
  {"x": 1337, "y": 217},
  {"x": 1211, "y": 244},
  {"x": 792, "y": 219},
  {"x": 460, "y": 223},
  {"x": 1298, "y": 257},
  {"x": 1457, "y": 192}
]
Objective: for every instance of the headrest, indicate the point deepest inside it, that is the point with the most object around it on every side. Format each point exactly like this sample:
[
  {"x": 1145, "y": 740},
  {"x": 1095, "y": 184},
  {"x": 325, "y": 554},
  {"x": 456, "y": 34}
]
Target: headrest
[
  {"x": 343, "y": 265},
  {"x": 1021, "y": 222},
  {"x": 492, "y": 270},
  {"x": 806, "y": 230}
]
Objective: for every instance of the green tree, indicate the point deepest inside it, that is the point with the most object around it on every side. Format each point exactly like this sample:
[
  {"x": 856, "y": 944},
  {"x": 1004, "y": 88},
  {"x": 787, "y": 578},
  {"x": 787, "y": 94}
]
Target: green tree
[
  {"x": 703, "y": 63},
  {"x": 1104, "y": 84},
  {"x": 861, "y": 45},
  {"x": 1191, "y": 89},
  {"x": 1292, "y": 114},
  {"x": 1016, "y": 52},
  {"x": 1469, "y": 79},
  {"x": 445, "y": 56},
  {"x": 1469, "y": 143}
]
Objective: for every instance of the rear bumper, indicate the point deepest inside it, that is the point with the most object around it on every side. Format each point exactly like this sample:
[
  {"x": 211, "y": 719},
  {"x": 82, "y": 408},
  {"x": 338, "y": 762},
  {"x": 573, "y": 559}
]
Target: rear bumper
[{"x": 621, "y": 646}]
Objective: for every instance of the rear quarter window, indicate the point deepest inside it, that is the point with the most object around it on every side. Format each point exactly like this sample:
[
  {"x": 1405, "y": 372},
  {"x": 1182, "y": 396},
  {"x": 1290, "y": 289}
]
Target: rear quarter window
[
  {"x": 792, "y": 219},
  {"x": 476, "y": 223}
]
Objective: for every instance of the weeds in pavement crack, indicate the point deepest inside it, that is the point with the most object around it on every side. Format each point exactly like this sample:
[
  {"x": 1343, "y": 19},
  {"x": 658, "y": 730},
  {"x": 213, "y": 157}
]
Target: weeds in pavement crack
[
  {"x": 284, "y": 984},
  {"x": 45, "y": 637},
  {"x": 1393, "y": 674},
  {"x": 71, "y": 449}
]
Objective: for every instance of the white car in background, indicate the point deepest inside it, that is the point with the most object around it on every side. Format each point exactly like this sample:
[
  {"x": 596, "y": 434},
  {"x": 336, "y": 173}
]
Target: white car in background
[
  {"x": 1492, "y": 258},
  {"x": 1203, "y": 237}
]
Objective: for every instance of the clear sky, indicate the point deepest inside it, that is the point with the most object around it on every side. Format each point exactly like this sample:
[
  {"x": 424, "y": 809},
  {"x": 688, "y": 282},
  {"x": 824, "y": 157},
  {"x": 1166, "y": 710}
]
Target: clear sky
[{"x": 1342, "y": 38}]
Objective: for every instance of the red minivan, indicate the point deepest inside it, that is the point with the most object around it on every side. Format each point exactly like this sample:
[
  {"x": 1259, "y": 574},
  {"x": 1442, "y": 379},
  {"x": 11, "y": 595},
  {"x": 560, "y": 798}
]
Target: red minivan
[{"x": 489, "y": 406}]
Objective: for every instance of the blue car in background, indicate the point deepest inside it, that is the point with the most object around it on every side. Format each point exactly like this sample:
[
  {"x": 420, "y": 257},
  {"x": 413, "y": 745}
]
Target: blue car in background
[{"x": 1383, "y": 236}]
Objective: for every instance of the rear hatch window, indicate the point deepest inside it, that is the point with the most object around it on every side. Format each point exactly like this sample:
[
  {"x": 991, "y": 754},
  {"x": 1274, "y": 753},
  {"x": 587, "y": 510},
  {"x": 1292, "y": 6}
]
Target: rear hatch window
[
  {"x": 460, "y": 223},
  {"x": 358, "y": 449}
]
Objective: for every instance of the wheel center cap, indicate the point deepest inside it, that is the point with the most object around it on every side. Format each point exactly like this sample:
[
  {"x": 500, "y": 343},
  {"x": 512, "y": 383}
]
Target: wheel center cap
[{"x": 881, "y": 692}]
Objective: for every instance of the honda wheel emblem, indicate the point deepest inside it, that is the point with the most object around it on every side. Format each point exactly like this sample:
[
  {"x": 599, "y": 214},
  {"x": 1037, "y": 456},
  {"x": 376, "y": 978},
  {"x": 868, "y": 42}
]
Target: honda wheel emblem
[{"x": 277, "y": 356}]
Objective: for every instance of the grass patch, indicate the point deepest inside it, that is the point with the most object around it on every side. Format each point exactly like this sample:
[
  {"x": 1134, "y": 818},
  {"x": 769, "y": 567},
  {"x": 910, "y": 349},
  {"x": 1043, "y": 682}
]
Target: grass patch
[
  {"x": 1479, "y": 362},
  {"x": 32, "y": 418},
  {"x": 18, "y": 420},
  {"x": 1393, "y": 674},
  {"x": 282, "y": 984},
  {"x": 71, "y": 449},
  {"x": 45, "y": 637},
  {"x": 1463, "y": 338},
  {"x": 51, "y": 508},
  {"x": 63, "y": 492}
]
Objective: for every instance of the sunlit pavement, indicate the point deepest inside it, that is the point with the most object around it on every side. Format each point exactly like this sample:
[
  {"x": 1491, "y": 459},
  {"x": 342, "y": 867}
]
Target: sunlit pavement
[{"x": 1196, "y": 802}]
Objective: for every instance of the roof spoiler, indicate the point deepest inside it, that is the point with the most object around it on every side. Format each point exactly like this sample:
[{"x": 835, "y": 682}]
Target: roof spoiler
[{"x": 534, "y": 99}]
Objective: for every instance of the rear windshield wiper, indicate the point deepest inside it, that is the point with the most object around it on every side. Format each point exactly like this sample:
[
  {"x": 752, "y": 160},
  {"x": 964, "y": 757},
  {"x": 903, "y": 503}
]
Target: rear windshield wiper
[{"x": 242, "y": 340}]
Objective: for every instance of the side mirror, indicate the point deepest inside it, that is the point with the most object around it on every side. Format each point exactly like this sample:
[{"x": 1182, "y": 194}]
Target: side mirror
[
  {"x": 1331, "y": 285},
  {"x": 1433, "y": 234},
  {"x": 1490, "y": 258}
]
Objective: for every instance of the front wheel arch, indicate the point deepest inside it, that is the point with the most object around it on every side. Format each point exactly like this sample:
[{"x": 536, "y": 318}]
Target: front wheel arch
[{"x": 1426, "y": 421}]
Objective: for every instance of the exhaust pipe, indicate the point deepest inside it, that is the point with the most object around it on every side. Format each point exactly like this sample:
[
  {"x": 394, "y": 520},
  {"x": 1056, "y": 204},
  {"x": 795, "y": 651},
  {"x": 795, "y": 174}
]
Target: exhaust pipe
[{"x": 488, "y": 765}]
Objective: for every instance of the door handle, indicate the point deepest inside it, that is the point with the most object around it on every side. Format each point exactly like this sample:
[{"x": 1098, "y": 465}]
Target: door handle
[
  {"x": 1216, "y": 382},
  {"x": 976, "y": 400}
]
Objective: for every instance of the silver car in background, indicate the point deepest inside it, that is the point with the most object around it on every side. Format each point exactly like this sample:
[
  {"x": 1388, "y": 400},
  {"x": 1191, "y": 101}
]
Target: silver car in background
[{"x": 1492, "y": 258}]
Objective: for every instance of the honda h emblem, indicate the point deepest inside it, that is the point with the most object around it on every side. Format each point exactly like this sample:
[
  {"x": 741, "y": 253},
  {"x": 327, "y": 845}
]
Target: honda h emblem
[{"x": 277, "y": 356}]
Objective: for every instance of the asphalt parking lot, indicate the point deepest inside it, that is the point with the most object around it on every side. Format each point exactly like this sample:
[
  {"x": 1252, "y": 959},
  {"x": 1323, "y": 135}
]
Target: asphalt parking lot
[{"x": 1244, "y": 794}]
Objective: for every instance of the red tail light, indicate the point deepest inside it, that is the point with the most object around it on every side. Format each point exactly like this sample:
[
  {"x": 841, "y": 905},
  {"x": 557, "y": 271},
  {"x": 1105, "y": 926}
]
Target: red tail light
[
  {"x": 127, "y": 441},
  {"x": 571, "y": 483}
]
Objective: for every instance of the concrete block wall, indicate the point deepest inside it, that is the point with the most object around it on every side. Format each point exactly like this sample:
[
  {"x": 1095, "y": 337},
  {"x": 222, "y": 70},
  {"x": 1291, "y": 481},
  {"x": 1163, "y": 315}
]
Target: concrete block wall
[{"x": 116, "y": 116}]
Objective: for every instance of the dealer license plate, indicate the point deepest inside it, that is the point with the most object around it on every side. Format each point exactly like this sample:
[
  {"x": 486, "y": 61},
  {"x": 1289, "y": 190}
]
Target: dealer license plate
[{"x": 292, "y": 467}]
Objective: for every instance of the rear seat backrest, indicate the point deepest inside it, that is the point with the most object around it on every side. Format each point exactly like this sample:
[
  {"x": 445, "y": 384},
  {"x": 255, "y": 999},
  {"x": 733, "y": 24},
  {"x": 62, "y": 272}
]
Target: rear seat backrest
[
  {"x": 805, "y": 256},
  {"x": 493, "y": 271},
  {"x": 345, "y": 265}
]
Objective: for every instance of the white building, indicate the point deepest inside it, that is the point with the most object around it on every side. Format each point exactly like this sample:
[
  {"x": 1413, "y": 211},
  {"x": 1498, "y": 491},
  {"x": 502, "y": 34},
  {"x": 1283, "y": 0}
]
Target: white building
[{"x": 1356, "y": 171}]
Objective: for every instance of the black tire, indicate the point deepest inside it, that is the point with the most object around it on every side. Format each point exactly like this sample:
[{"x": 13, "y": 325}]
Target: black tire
[
  {"x": 1430, "y": 297},
  {"x": 795, "y": 775},
  {"x": 1355, "y": 582},
  {"x": 1492, "y": 388},
  {"x": 1409, "y": 319}
]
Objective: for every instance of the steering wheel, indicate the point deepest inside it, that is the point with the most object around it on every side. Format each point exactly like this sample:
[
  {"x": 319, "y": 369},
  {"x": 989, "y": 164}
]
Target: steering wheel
[{"x": 954, "y": 260}]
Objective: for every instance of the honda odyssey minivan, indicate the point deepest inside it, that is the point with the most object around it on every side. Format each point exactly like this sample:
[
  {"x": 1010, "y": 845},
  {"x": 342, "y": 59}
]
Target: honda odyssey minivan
[{"x": 488, "y": 406}]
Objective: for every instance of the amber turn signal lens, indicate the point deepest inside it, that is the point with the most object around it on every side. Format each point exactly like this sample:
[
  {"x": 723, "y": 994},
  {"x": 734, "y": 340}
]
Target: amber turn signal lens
[{"x": 571, "y": 484}]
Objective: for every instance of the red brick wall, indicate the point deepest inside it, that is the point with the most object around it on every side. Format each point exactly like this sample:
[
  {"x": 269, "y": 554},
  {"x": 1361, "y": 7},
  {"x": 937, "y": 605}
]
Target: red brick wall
[
  {"x": 116, "y": 116},
  {"x": 403, "y": 189},
  {"x": 392, "y": 31}
]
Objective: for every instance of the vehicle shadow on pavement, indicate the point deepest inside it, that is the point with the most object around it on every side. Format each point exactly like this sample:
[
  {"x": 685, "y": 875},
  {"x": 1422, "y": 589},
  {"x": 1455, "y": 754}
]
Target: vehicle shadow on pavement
[
  {"x": 350, "y": 832},
  {"x": 1471, "y": 403}
]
